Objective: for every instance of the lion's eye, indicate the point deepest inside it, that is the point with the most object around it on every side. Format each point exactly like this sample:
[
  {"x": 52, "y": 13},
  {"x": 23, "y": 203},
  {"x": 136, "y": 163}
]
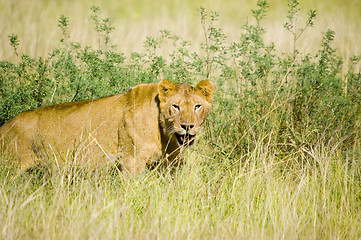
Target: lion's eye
[
  {"x": 198, "y": 106},
  {"x": 176, "y": 107}
]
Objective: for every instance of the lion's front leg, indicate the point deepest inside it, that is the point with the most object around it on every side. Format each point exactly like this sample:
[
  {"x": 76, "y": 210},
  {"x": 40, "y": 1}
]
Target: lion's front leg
[
  {"x": 137, "y": 161},
  {"x": 132, "y": 166}
]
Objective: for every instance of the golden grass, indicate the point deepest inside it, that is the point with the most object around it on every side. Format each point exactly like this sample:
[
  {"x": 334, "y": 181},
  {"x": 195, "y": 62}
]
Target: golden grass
[
  {"x": 35, "y": 22},
  {"x": 260, "y": 201}
]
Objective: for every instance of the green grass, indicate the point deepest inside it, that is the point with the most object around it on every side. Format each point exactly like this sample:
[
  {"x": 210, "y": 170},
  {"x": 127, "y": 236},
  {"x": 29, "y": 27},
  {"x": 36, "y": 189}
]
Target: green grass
[
  {"x": 279, "y": 154},
  {"x": 257, "y": 198}
]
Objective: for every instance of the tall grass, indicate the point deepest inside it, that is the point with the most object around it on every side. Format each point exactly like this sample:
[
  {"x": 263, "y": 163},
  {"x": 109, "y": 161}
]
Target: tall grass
[
  {"x": 262, "y": 199},
  {"x": 35, "y": 22},
  {"x": 278, "y": 157}
]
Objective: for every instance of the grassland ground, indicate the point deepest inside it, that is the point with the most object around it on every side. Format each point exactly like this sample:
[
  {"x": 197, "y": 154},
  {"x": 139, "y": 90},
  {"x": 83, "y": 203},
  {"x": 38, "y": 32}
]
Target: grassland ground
[{"x": 259, "y": 197}]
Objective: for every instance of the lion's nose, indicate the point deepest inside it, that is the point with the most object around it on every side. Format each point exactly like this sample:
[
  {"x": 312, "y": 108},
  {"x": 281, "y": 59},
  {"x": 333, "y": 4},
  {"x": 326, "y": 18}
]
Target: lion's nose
[{"x": 187, "y": 126}]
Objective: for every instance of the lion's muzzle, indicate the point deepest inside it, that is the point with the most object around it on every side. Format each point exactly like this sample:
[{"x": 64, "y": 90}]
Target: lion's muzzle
[
  {"x": 184, "y": 139},
  {"x": 185, "y": 135}
]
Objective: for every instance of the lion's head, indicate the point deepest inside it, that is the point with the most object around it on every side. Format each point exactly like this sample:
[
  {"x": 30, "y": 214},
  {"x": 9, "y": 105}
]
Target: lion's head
[{"x": 183, "y": 109}]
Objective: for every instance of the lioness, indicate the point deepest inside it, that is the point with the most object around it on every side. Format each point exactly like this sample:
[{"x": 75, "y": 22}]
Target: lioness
[{"x": 135, "y": 129}]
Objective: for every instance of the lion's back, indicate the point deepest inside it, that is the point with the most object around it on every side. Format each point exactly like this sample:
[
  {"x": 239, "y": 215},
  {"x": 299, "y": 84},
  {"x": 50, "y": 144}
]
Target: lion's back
[{"x": 73, "y": 115}]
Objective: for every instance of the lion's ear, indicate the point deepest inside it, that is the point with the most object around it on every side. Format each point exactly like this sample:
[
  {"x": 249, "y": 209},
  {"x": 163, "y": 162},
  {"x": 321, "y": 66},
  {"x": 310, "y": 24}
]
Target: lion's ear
[
  {"x": 166, "y": 89},
  {"x": 205, "y": 89}
]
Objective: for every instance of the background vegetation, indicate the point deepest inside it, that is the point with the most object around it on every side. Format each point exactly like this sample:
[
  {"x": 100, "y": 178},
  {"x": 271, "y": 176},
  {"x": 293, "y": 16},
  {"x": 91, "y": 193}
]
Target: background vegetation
[
  {"x": 279, "y": 155},
  {"x": 134, "y": 20}
]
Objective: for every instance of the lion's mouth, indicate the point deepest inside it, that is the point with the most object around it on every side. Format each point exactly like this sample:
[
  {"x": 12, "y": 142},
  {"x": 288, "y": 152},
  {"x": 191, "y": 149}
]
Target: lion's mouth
[{"x": 185, "y": 139}]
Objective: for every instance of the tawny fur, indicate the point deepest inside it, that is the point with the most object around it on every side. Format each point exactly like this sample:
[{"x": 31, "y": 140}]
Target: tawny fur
[{"x": 139, "y": 127}]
